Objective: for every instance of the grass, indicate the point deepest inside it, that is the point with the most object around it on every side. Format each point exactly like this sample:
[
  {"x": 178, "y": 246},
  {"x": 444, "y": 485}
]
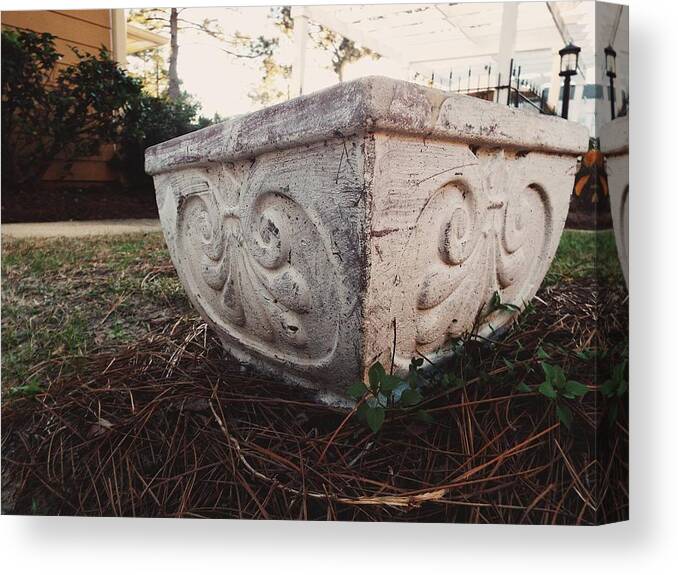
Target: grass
[
  {"x": 583, "y": 254},
  {"x": 69, "y": 297}
]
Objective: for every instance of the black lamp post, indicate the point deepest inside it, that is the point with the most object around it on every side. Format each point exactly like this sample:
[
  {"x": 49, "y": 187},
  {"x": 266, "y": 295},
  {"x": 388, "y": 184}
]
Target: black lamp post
[
  {"x": 611, "y": 71},
  {"x": 569, "y": 61}
]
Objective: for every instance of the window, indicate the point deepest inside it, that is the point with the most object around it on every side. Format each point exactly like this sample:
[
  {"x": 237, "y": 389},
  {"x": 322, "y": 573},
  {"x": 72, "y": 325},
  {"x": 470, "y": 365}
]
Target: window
[{"x": 593, "y": 92}]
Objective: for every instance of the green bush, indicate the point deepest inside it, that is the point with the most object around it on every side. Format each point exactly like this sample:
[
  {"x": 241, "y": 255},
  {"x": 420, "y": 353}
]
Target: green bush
[
  {"x": 150, "y": 121},
  {"x": 56, "y": 112}
]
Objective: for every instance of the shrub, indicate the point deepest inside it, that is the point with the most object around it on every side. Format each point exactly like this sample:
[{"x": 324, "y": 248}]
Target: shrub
[
  {"x": 51, "y": 112},
  {"x": 149, "y": 121},
  {"x": 66, "y": 113}
]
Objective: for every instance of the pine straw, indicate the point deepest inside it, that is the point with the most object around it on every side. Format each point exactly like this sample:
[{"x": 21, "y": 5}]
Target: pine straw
[{"x": 170, "y": 427}]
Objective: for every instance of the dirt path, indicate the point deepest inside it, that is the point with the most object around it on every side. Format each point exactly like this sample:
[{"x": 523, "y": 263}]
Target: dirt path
[{"x": 78, "y": 229}]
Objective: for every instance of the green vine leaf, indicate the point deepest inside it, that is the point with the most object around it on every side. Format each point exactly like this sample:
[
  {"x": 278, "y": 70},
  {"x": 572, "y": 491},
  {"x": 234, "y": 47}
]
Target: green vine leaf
[
  {"x": 375, "y": 417},
  {"x": 547, "y": 390},
  {"x": 564, "y": 415}
]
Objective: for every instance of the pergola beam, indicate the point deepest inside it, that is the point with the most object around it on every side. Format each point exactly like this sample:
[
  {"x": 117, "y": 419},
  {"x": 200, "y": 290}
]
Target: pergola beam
[
  {"x": 300, "y": 17},
  {"x": 507, "y": 41},
  {"x": 323, "y": 15},
  {"x": 565, "y": 34},
  {"x": 493, "y": 55},
  {"x": 500, "y": 48},
  {"x": 559, "y": 22}
]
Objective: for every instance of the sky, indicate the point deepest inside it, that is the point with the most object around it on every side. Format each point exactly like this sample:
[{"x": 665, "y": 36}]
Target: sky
[{"x": 221, "y": 82}]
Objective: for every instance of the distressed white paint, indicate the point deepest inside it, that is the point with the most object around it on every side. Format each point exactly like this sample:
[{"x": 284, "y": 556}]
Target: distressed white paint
[
  {"x": 305, "y": 231},
  {"x": 614, "y": 143}
]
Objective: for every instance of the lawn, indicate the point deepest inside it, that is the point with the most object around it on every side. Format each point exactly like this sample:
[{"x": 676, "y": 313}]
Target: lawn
[
  {"x": 584, "y": 254},
  {"x": 69, "y": 297},
  {"x": 118, "y": 401}
]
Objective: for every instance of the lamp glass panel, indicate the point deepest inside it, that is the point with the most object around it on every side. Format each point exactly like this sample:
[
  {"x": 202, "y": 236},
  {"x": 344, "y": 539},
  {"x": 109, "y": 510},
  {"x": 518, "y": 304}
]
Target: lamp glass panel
[
  {"x": 610, "y": 63},
  {"x": 568, "y": 63}
]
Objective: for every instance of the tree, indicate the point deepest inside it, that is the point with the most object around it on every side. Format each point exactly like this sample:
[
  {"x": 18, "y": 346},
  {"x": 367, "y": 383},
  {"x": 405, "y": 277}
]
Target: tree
[
  {"x": 272, "y": 90},
  {"x": 171, "y": 21},
  {"x": 342, "y": 50},
  {"x": 51, "y": 112},
  {"x": 282, "y": 16},
  {"x": 151, "y": 120},
  {"x": 151, "y": 69}
]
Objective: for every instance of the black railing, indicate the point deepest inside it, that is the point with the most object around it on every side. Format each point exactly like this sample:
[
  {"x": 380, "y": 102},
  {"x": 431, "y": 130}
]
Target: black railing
[{"x": 516, "y": 92}]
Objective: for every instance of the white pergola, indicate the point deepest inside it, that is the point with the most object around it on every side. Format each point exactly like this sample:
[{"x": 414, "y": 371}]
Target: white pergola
[{"x": 448, "y": 42}]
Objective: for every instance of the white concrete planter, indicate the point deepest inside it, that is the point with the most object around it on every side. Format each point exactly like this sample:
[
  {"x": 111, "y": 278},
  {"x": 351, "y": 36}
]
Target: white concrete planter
[
  {"x": 614, "y": 143},
  {"x": 304, "y": 232}
]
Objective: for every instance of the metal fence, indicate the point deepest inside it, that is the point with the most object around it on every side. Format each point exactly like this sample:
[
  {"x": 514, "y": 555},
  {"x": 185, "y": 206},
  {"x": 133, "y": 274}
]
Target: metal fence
[{"x": 513, "y": 91}]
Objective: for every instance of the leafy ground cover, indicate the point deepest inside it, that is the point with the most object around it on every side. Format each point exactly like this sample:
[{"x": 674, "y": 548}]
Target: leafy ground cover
[
  {"x": 65, "y": 298},
  {"x": 119, "y": 401}
]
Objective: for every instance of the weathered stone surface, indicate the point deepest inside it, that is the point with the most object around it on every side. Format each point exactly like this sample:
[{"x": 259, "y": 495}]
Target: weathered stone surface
[
  {"x": 305, "y": 232},
  {"x": 614, "y": 143}
]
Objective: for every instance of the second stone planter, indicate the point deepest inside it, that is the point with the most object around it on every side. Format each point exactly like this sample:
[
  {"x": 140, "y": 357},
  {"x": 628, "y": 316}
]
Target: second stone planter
[
  {"x": 614, "y": 143},
  {"x": 312, "y": 234}
]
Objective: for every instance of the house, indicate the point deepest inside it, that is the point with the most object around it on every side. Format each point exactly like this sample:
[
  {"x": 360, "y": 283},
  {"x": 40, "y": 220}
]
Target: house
[{"x": 87, "y": 31}]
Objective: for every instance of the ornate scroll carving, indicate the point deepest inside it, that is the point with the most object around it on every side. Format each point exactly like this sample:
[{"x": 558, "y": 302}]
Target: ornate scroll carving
[
  {"x": 249, "y": 266},
  {"x": 314, "y": 234},
  {"x": 485, "y": 232}
]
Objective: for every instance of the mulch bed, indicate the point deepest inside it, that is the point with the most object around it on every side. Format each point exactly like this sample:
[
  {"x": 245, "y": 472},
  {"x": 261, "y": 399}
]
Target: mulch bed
[
  {"x": 81, "y": 204},
  {"x": 171, "y": 427}
]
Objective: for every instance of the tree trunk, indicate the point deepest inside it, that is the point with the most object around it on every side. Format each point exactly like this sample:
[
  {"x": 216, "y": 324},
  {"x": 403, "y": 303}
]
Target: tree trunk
[{"x": 173, "y": 90}]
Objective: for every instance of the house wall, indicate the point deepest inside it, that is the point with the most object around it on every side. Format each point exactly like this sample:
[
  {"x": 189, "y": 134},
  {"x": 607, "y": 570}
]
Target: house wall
[{"x": 87, "y": 31}]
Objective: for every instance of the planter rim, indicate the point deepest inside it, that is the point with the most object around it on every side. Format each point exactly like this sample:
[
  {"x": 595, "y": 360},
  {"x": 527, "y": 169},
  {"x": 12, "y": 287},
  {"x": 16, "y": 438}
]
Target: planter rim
[{"x": 371, "y": 104}]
